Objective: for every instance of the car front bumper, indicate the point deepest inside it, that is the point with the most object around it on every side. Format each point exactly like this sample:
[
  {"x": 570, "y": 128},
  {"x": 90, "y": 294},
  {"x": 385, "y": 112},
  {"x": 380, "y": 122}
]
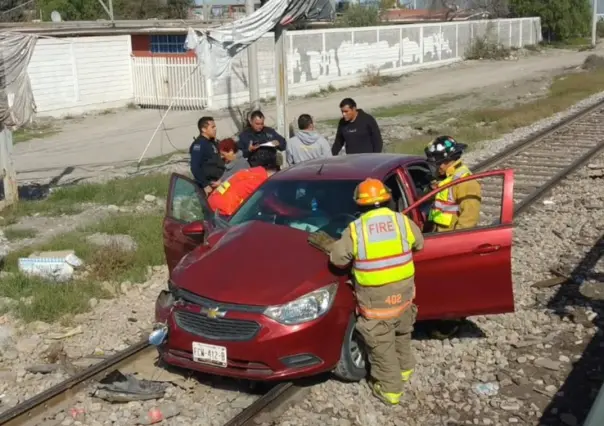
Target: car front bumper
[{"x": 258, "y": 348}]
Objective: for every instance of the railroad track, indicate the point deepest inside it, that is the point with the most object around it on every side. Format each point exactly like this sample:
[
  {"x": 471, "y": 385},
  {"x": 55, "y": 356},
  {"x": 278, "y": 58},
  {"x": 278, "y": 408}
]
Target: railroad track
[{"x": 540, "y": 162}]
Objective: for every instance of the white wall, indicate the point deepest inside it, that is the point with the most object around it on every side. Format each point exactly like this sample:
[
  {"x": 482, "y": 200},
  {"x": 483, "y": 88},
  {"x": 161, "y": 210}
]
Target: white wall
[
  {"x": 341, "y": 57},
  {"x": 71, "y": 76},
  {"x": 78, "y": 75}
]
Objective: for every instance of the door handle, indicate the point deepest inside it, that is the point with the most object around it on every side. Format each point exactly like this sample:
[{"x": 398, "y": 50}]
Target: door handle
[{"x": 486, "y": 248}]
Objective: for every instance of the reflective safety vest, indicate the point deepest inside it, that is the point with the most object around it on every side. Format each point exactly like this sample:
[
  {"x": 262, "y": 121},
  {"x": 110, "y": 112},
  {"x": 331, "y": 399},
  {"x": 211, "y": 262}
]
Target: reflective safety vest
[
  {"x": 445, "y": 207},
  {"x": 229, "y": 195},
  {"x": 382, "y": 242}
]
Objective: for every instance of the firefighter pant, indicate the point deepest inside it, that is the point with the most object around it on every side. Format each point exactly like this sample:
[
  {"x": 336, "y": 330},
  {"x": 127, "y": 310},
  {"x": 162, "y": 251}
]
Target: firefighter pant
[{"x": 388, "y": 343}]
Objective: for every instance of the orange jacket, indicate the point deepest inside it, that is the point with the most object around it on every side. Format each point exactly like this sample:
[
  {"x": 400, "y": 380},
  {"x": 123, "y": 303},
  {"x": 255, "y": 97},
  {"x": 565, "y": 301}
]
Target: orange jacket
[{"x": 229, "y": 195}]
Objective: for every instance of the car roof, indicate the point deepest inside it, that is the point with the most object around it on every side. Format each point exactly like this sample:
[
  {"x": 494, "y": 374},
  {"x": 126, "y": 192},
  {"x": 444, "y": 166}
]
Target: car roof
[{"x": 346, "y": 167}]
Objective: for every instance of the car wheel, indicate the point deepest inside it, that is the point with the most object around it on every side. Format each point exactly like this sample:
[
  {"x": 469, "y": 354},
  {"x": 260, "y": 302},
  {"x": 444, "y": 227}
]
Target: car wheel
[{"x": 352, "y": 366}]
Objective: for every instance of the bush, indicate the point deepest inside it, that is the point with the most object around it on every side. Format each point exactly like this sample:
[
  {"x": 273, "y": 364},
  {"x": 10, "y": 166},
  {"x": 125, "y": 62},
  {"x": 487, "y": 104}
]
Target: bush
[
  {"x": 359, "y": 16},
  {"x": 483, "y": 48},
  {"x": 560, "y": 19},
  {"x": 600, "y": 28}
]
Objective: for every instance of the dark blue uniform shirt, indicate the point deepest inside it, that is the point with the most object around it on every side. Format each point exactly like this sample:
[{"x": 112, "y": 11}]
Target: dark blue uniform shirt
[{"x": 206, "y": 164}]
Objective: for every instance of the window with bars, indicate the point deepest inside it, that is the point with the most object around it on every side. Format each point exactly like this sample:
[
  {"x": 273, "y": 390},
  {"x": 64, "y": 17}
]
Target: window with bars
[{"x": 168, "y": 43}]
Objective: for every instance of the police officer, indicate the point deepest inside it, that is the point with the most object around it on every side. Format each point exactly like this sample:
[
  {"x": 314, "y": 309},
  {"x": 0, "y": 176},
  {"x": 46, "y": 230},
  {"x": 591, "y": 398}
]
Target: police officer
[
  {"x": 379, "y": 244},
  {"x": 207, "y": 166},
  {"x": 457, "y": 207}
]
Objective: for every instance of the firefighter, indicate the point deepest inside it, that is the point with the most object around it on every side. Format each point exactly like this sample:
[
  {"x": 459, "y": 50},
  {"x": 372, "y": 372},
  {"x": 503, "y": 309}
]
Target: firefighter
[
  {"x": 379, "y": 244},
  {"x": 457, "y": 207},
  {"x": 231, "y": 193}
]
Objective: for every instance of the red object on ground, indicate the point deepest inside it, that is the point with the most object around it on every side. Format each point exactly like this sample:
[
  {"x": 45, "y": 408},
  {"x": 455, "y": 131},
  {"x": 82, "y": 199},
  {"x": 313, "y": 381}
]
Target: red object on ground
[
  {"x": 155, "y": 415},
  {"x": 227, "y": 198}
]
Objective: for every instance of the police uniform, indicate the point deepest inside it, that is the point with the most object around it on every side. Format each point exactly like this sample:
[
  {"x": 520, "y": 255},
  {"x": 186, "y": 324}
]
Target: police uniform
[
  {"x": 380, "y": 244},
  {"x": 206, "y": 164}
]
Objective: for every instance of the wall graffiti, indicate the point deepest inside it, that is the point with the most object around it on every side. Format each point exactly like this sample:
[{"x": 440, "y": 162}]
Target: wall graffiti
[
  {"x": 343, "y": 56},
  {"x": 309, "y": 63}
]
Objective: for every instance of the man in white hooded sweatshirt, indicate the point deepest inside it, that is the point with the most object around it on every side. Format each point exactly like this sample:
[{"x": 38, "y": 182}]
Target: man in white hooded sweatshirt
[{"x": 307, "y": 144}]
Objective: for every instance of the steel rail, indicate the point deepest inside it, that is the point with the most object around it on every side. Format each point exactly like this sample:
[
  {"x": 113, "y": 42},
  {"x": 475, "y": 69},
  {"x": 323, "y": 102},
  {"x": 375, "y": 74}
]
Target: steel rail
[
  {"x": 533, "y": 138},
  {"x": 32, "y": 408}
]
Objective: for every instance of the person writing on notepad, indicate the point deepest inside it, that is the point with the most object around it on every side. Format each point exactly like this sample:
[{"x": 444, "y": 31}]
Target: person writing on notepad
[{"x": 260, "y": 143}]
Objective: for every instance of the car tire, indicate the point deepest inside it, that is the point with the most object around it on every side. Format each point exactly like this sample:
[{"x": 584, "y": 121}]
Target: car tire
[{"x": 352, "y": 366}]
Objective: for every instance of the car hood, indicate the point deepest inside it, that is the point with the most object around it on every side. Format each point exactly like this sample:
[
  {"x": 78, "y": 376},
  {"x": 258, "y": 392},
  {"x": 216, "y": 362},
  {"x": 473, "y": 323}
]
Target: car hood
[{"x": 255, "y": 263}]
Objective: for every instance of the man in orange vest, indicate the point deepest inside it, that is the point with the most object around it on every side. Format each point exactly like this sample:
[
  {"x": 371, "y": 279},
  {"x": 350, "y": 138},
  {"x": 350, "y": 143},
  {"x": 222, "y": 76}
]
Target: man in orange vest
[
  {"x": 379, "y": 244},
  {"x": 231, "y": 193}
]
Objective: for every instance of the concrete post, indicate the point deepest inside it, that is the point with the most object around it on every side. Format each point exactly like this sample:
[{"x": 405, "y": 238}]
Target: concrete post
[{"x": 252, "y": 65}]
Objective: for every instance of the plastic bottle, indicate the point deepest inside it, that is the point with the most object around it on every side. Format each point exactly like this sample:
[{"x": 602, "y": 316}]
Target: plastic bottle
[{"x": 314, "y": 205}]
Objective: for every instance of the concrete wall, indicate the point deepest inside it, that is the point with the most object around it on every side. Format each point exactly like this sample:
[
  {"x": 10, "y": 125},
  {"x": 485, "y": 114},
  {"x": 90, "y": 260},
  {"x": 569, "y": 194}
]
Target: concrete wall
[
  {"x": 78, "y": 75},
  {"x": 342, "y": 57}
]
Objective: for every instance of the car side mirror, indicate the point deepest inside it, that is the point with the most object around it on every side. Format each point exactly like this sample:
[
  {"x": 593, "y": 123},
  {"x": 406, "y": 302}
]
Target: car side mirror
[{"x": 194, "y": 230}]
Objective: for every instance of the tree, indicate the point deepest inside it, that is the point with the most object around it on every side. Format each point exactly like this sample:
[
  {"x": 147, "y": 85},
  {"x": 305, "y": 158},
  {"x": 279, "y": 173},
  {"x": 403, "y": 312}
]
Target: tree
[
  {"x": 359, "y": 16},
  {"x": 72, "y": 10},
  {"x": 91, "y": 10},
  {"x": 13, "y": 10},
  {"x": 560, "y": 19}
]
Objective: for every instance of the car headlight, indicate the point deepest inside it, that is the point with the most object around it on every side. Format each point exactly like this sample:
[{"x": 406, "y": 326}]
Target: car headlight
[{"x": 306, "y": 308}]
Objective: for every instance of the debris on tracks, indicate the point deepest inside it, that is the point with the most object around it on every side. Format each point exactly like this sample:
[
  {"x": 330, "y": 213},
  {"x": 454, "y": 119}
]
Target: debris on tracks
[
  {"x": 550, "y": 282},
  {"x": 158, "y": 414},
  {"x": 117, "y": 387}
]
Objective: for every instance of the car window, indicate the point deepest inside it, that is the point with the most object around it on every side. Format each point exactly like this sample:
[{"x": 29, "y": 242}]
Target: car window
[
  {"x": 421, "y": 176},
  {"x": 484, "y": 206},
  {"x": 308, "y": 205},
  {"x": 186, "y": 205}
]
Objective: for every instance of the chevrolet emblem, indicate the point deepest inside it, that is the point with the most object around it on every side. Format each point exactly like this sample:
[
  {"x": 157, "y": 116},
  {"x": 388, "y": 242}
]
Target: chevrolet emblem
[{"x": 215, "y": 313}]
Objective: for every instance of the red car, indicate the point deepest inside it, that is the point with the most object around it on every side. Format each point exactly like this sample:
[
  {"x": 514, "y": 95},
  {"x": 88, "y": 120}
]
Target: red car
[{"x": 250, "y": 298}]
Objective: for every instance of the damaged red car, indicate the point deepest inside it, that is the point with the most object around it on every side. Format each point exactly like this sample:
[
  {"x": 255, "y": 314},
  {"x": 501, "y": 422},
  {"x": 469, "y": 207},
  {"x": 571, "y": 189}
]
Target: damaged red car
[{"x": 248, "y": 297}]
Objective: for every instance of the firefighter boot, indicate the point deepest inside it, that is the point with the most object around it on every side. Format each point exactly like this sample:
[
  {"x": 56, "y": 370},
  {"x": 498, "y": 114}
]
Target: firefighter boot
[
  {"x": 406, "y": 375},
  {"x": 388, "y": 398}
]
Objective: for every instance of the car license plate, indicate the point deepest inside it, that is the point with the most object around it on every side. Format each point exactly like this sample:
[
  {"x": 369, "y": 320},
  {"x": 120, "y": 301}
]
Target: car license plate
[{"x": 210, "y": 354}]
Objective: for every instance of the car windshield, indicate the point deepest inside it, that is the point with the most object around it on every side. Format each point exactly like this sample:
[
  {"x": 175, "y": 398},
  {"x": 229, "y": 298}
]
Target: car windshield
[{"x": 308, "y": 205}]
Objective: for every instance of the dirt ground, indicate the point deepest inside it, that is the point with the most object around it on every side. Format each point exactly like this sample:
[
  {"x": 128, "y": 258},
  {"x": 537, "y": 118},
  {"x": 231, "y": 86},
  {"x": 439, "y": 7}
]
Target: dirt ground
[{"x": 102, "y": 144}]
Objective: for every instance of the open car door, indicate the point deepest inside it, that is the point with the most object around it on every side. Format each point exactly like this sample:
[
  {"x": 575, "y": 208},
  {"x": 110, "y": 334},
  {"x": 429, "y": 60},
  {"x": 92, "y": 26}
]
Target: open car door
[
  {"x": 469, "y": 272},
  {"x": 186, "y": 205}
]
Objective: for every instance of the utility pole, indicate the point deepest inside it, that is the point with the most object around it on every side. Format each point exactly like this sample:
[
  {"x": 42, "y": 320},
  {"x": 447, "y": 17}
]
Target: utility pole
[
  {"x": 594, "y": 23},
  {"x": 281, "y": 80},
  {"x": 8, "y": 174},
  {"x": 252, "y": 65}
]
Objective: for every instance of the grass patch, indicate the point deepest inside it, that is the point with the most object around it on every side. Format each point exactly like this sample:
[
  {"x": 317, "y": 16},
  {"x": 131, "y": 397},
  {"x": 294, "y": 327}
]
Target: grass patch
[
  {"x": 571, "y": 43},
  {"x": 49, "y": 301},
  {"x": 160, "y": 159},
  {"x": 488, "y": 123},
  {"x": 13, "y": 234},
  {"x": 67, "y": 200},
  {"x": 34, "y": 131},
  {"x": 40, "y": 300},
  {"x": 414, "y": 108}
]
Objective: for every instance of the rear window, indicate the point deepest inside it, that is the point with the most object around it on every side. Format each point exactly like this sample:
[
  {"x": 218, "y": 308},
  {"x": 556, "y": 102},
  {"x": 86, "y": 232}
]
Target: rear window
[{"x": 305, "y": 205}]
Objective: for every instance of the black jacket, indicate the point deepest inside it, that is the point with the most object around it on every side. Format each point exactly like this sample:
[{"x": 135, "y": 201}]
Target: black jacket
[
  {"x": 206, "y": 164},
  {"x": 358, "y": 136},
  {"x": 248, "y": 136}
]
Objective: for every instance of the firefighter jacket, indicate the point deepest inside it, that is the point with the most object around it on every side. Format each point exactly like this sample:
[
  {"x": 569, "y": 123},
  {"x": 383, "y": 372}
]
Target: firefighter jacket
[{"x": 457, "y": 207}]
